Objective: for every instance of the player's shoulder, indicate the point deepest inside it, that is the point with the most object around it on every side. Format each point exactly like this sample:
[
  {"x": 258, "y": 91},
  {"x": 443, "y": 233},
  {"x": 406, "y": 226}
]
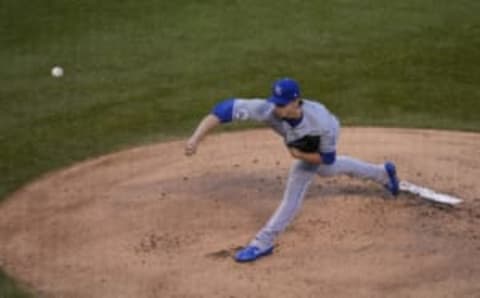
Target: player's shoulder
[
  {"x": 314, "y": 105},
  {"x": 253, "y": 99},
  {"x": 252, "y": 108},
  {"x": 255, "y": 103}
]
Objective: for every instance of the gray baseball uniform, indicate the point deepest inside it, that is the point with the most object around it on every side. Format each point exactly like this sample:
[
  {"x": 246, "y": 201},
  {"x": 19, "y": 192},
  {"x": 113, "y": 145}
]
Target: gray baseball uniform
[{"x": 316, "y": 122}]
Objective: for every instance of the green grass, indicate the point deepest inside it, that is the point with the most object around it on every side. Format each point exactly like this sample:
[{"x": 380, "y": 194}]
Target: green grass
[
  {"x": 143, "y": 71},
  {"x": 10, "y": 289}
]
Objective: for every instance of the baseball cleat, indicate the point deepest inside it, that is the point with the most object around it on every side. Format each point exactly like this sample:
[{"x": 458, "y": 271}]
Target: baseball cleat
[
  {"x": 393, "y": 183},
  {"x": 251, "y": 253}
]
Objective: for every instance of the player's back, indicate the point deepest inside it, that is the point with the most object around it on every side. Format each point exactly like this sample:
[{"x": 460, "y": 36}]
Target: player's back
[{"x": 318, "y": 119}]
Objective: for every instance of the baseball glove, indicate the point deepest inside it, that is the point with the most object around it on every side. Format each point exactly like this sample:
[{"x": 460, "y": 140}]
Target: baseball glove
[{"x": 306, "y": 144}]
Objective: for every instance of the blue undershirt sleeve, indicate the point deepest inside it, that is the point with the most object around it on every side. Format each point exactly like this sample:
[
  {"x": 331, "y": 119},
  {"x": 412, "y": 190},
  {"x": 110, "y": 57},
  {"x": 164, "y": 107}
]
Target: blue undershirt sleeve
[
  {"x": 224, "y": 110},
  {"x": 328, "y": 158}
]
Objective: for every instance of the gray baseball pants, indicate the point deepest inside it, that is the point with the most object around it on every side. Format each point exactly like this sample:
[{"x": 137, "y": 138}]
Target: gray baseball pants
[{"x": 300, "y": 176}]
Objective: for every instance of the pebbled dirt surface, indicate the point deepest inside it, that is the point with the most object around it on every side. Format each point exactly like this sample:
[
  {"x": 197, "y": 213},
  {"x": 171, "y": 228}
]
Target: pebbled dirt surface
[{"x": 150, "y": 222}]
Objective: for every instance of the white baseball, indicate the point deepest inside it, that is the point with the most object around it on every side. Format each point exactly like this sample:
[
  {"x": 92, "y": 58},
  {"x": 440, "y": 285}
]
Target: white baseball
[{"x": 57, "y": 71}]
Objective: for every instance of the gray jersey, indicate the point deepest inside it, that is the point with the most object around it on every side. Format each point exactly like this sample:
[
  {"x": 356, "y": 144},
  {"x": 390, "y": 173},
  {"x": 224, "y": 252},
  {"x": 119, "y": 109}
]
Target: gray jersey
[{"x": 316, "y": 121}]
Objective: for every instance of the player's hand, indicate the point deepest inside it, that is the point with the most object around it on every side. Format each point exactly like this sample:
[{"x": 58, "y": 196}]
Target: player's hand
[{"x": 191, "y": 147}]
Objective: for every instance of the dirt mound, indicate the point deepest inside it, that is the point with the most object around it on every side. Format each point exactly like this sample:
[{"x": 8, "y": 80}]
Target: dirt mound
[{"x": 150, "y": 222}]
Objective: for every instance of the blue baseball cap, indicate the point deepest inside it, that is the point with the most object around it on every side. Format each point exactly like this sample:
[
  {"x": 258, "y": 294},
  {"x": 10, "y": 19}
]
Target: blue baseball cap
[{"x": 284, "y": 91}]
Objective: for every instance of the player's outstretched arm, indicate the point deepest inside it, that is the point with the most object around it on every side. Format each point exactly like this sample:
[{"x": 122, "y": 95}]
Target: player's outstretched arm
[
  {"x": 207, "y": 124},
  {"x": 226, "y": 111}
]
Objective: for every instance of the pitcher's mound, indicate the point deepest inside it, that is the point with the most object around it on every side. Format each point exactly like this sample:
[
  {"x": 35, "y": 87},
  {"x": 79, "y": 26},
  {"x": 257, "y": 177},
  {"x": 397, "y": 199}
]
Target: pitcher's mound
[{"x": 150, "y": 222}]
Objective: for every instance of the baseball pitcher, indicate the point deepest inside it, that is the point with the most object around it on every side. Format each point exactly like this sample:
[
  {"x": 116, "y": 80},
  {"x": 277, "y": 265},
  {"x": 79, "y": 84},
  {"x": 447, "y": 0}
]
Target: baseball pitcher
[{"x": 311, "y": 134}]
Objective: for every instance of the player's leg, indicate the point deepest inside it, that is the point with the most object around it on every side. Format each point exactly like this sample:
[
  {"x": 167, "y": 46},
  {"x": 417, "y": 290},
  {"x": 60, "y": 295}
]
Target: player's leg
[
  {"x": 300, "y": 177},
  {"x": 384, "y": 174},
  {"x": 346, "y": 165}
]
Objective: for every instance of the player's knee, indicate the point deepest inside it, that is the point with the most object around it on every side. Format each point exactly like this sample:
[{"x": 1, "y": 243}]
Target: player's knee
[{"x": 302, "y": 166}]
